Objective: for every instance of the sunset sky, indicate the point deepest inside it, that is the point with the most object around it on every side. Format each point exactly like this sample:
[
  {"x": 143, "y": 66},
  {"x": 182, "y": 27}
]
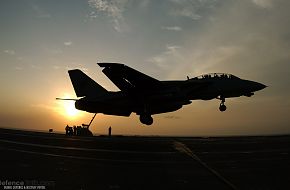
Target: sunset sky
[{"x": 40, "y": 40}]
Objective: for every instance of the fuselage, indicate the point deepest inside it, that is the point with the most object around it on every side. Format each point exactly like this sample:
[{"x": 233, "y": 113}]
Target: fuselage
[
  {"x": 170, "y": 95},
  {"x": 146, "y": 96}
]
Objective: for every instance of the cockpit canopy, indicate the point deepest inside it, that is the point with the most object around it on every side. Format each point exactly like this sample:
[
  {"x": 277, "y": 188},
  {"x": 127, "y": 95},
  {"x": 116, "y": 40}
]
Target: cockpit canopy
[{"x": 216, "y": 75}]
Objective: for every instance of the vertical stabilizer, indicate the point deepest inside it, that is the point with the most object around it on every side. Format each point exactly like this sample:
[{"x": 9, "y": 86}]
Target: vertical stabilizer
[{"x": 84, "y": 85}]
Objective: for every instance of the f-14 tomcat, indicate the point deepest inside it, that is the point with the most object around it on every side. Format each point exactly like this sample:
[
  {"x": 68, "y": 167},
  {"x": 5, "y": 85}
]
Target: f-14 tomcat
[{"x": 146, "y": 96}]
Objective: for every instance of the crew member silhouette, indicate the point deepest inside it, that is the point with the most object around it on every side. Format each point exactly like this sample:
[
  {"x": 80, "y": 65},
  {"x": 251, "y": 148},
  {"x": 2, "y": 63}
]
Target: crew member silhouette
[
  {"x": 75, "y": 130},
  {"x": 110, "y": 131},
  {"x": 66, "y": 130}
]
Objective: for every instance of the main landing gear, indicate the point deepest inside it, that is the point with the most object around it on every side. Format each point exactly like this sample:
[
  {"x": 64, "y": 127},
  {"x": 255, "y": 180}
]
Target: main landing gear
[
  {"x": 222, "y": 107},
  {"x": 145, "y": 116},
  {"x": 146, "y": 119}
]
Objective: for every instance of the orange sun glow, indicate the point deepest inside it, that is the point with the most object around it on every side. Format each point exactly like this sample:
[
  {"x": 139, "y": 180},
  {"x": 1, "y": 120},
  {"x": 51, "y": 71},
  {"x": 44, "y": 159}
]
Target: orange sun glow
[{"x": 67, "y": 108}]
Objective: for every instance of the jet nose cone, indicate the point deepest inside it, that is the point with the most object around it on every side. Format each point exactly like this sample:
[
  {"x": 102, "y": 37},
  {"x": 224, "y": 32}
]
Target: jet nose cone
[{"x": 259, "y": 86}]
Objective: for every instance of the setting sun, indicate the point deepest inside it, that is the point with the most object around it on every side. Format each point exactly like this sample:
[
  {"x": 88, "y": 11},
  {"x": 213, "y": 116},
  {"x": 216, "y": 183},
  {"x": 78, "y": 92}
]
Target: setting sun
[
  {"x": 70, "y": 109},
  {"x": 67, "y": 108}
]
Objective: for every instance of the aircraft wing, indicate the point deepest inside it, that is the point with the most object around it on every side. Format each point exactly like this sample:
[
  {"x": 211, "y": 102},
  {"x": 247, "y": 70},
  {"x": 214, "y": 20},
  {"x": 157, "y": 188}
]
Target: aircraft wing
[{"x": 126, "y": 78}]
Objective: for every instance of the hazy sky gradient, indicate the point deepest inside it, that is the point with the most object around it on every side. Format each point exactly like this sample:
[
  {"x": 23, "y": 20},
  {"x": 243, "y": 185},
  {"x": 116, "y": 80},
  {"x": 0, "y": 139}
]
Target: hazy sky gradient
[{"x": 171, "y": 39}]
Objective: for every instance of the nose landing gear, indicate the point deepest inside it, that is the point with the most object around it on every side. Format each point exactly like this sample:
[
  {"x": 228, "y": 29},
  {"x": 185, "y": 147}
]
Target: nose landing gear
[{"x": 222, "y": 107}]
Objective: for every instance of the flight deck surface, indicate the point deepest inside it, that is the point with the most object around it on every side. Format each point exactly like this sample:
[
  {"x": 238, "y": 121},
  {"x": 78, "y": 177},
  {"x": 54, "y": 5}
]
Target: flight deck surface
[{"x": 55, "y": 161}]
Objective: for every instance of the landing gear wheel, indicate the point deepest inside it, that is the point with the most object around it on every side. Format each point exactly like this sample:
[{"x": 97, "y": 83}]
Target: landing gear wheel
[
  {"x": 146, "y": 119},
  {"x": 222, "y": 107}
]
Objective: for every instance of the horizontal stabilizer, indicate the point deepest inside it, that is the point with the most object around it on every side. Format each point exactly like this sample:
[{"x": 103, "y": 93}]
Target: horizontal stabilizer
[
  {"x": 74, "y": 99},
  {"x": 127, "y": 78}
]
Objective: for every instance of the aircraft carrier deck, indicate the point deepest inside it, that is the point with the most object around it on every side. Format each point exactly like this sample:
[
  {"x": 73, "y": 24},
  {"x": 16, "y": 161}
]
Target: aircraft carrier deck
[{"x": 55, "y": 161}]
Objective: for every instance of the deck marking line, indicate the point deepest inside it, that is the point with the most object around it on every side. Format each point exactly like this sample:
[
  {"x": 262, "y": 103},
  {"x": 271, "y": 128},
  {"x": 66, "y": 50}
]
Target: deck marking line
[
  {"x": 83, "y": 149},
  {"x": 184, "y": 149},
  {"x": 86, "y": 158}
]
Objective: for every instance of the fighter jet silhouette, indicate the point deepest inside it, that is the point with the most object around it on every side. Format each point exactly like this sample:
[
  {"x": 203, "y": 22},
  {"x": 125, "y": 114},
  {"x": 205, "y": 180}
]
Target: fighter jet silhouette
[{"x": 146, "y": 96}]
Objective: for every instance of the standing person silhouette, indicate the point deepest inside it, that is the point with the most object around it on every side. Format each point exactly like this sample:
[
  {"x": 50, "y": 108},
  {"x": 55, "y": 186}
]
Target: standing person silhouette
[
  {"x": 110, "y": 131},
  {"x": 66, "y": 129},
  {"x": 75, "y": 130}
]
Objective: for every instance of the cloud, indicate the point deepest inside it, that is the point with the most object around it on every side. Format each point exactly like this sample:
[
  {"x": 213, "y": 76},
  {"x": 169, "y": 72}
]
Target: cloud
[
  {"x": 172, "y": 28},
  {"x": 52, "y": 49},
  {"x": 9, "y": 52},
  {"x": 263, "y": 3},
  {"x": 171, "y": 61},
  {"x": 187, "y": 12},
  {"x": 191, "y": 8},
  {"x": 164, "y": 58},
  {"x": 112, "y": 9},
  {"x": 40, "y": 12},
  {"x": 68, "y": 43},
  {"x": 56, "y": 67},
  {"x": 144, "y": 3},
  {"x": 18, "y": 68}
]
